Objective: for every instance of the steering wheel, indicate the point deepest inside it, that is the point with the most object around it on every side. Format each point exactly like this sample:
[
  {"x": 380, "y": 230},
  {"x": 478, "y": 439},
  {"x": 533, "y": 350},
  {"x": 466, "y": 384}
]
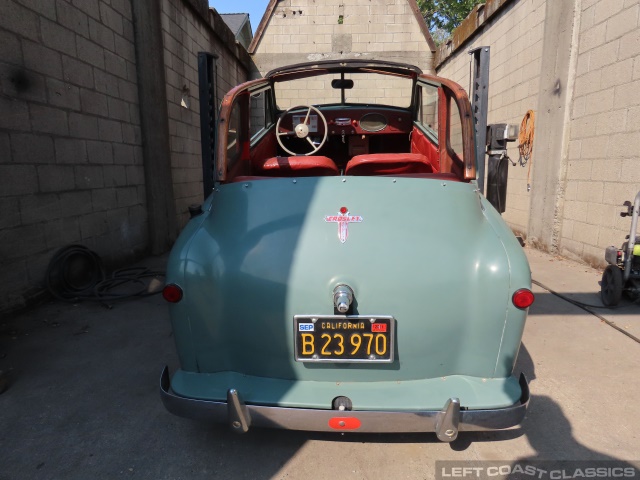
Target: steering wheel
[{"x": 302, "y": 130}]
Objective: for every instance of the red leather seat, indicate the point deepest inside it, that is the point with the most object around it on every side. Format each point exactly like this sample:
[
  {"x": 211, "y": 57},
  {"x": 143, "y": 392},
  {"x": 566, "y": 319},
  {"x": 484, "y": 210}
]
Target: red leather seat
[
  {"x": 299, "y": 166},
  {"x": 388, "y": 164}
]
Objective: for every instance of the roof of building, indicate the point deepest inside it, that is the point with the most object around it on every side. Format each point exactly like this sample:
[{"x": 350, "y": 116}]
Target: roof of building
[
  {"x": 272, "y": 6},
  {"x": 235, "y": 21}
]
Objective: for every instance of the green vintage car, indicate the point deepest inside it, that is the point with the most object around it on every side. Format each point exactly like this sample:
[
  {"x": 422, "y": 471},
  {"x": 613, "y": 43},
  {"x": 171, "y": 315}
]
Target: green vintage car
[{"x": 345, "y": 273}]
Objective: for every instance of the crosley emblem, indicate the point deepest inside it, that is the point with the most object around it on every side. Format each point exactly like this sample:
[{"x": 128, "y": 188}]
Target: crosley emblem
[{"x": 343, "y": 219}]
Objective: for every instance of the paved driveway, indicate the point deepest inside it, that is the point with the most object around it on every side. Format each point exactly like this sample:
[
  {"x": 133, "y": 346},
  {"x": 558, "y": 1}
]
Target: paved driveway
[{"x": 83, "y": 401}]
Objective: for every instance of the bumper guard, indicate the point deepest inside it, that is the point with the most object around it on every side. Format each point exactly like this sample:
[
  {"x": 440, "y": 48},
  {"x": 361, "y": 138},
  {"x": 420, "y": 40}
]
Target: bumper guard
[{"x": 446, "y": 423}]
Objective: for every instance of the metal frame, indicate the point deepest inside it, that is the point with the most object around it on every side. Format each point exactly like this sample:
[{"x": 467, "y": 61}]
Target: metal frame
[
  {"x": 208, "y": 104},
  {"x": 457, "y": 94},
  {"x": 301, "y": 70},
  {"x": 447, "y": 422},
  {"x": 480, "y": 106}
]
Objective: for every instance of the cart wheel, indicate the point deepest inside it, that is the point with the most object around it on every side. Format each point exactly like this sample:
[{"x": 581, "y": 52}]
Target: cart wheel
[{"x": 611, "y": 286}]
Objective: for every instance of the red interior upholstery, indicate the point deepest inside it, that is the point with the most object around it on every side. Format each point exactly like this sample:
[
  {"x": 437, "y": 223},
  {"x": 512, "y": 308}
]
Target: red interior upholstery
[
  {"x": 265, "y": 148},
  {"x": 298, "y": 166},
  {"x": 388, "y": 164},
  {"x": 421, "y": 144}
]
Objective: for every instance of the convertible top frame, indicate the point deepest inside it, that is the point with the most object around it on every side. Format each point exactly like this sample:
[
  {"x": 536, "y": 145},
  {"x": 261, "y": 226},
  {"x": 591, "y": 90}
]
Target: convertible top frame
[{"x": 452, "y": 90}]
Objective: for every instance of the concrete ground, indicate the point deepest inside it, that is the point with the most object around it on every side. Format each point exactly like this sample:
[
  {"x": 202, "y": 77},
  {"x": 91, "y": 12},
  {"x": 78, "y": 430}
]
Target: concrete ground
[{"x": 83, "y": 399}]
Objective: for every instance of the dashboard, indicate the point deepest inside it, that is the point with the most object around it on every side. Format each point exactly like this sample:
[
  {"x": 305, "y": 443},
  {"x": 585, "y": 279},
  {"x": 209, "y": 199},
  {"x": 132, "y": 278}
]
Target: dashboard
[{"x": 346, "y": 120}]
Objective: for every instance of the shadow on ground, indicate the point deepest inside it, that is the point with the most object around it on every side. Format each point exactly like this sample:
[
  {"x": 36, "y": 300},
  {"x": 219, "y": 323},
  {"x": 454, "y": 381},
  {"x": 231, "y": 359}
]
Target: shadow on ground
[{"x": 83, "y": 403}]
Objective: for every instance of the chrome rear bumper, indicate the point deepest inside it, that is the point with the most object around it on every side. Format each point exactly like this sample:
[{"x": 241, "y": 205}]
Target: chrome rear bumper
[{"x": 446, "y": 422}]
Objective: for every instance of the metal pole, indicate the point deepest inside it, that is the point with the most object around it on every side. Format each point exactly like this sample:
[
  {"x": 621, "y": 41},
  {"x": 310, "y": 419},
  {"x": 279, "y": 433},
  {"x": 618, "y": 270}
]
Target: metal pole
[
  {"x": 480, "y": 107},
  {"x": 208, "y": 106}
]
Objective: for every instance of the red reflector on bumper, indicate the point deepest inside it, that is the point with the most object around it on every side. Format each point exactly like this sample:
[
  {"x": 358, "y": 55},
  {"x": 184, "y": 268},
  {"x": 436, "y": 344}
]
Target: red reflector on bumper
[{"x": 344, "y": 423}]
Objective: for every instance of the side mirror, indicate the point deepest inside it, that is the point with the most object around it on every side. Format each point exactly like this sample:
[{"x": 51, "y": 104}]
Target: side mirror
[{"x": 341, "y": 83}]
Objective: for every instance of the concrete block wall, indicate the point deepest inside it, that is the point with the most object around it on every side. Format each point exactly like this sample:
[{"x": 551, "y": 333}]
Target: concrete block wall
[
  {"x": 308, "y": 30},
  {"x": 70, "y": 148},
  {"x": 582, "y": 57},
  {"x": 515, "y": 36},
  {"x": 185, "y": 33},
  {"x": 602, "y": 170}
]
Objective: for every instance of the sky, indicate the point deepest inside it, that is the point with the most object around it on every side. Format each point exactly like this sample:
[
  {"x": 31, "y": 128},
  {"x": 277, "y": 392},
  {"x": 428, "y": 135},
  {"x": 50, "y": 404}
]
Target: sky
[{"x": 255, "y": 8}]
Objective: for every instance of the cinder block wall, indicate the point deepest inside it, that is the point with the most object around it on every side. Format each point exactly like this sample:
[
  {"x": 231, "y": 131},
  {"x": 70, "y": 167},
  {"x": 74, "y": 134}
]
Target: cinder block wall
[
  {"x": 70, "y": 148},
  {"x": 582, "y": 60},
  {"x": 308, "y": 30},
  {"x": 603, "y": 167},
  {"x": 185, "y": 33},
  {"x": 515, "y": 37}
]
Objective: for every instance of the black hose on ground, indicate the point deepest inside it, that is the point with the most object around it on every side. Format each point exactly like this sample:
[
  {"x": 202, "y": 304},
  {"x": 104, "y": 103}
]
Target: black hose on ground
[
  {"x": 76, "y": 273},
  {"x": 586, "y": 308}
]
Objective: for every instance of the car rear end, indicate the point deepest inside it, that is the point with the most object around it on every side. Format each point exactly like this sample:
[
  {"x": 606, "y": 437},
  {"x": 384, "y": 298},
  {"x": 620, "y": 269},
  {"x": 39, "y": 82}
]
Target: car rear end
[{"x": 339, "y": 303}]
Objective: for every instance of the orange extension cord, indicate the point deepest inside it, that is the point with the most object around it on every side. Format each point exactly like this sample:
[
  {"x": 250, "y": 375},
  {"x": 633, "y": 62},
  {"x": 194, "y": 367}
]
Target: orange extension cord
[{"x": 525, "y": 141}]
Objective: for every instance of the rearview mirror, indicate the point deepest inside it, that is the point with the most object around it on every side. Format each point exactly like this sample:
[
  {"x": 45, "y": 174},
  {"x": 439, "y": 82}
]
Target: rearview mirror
[{"x": 342, "y": 84}]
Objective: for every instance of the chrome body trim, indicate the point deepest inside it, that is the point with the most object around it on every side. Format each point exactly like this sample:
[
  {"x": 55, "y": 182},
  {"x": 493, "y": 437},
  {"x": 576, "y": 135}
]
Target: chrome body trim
[
  {"x": 448, "y": 421},
  {"x": 451, "y": 417},
  {"x": 342, "y": 298},
  {"x": 238, "y": 415}
]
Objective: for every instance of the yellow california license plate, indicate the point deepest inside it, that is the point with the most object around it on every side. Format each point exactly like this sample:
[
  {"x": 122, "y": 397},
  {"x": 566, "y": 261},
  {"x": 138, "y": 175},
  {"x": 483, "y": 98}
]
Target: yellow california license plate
[{"x": 336, "y": 338}]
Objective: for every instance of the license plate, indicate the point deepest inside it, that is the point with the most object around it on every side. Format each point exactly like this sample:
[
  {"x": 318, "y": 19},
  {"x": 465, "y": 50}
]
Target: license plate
[{"x": 335, "y": 338}]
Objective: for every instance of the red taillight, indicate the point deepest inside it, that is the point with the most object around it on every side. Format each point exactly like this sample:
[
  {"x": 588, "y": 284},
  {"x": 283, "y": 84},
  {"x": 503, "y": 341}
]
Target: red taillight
[
  {"x": 172, "y": 293},
  {"x": 523, "y": 298}
]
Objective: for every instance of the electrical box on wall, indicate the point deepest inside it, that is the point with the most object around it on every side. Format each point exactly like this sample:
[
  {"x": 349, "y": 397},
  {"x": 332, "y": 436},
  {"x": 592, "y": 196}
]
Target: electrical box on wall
[{"x": 498, "y": 134}]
